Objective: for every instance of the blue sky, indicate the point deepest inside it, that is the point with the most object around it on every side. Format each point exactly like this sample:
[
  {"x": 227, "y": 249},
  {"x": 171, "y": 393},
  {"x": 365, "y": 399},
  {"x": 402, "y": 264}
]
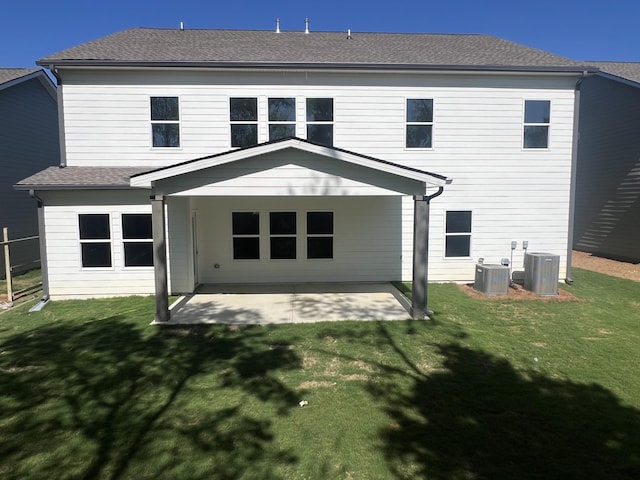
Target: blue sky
[{"x": 581, "y": 30}]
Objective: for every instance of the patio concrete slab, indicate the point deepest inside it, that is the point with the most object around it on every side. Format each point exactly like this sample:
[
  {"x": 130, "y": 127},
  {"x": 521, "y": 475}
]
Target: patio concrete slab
[{"x": 296, "y": 303}]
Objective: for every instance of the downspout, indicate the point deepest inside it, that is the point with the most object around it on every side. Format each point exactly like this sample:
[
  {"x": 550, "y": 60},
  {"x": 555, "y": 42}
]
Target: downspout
[
  {"x": 61, "y": 134},
  {"x": 574, "y": 171},
  {"x": 43, "y": 253}
]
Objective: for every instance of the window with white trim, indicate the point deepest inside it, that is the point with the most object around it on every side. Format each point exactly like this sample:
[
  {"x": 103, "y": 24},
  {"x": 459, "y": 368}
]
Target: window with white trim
[
  {"x": 137, "y": 240},
  {"x": 165, "y": 122},
  {"x": 246, "y": 235},
  {"x": 458, "y": 234},
  {"x": 419, "y": 129},
  {"x": 282, "y": 118},
  {"x": 319, "y": 234},
  {"x": 243, "y": 115},
  {"x": 537, "y": 118},
  {"x": 282, "y": 235},
  {"x": 95, "y": 239},
  {"x": 320, "y": 121}
]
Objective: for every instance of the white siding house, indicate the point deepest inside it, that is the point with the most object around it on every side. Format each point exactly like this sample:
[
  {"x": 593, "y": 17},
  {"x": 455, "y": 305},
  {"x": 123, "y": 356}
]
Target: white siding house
[
  {"x": 28, "y": 143},
  {"x": 285, "y": 157}
]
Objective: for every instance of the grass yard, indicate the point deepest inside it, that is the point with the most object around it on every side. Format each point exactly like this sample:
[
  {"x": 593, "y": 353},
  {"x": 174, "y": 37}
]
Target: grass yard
[
  {"x": 490, "y": 389},
  {"x": 25, "y": 286}
]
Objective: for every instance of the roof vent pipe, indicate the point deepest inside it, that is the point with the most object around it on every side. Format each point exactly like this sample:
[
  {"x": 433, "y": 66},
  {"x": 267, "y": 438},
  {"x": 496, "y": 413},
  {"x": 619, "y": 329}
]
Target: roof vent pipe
[
  {"x": 306, "y": 26},
  {"x": 349, "y": 37},
  {"x": 181, "y": 26},
  {"x": 277, "y": 25}
]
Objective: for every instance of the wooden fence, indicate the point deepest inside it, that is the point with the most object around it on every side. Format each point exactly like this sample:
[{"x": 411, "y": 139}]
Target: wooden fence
[{"x": 9, "y": 267}]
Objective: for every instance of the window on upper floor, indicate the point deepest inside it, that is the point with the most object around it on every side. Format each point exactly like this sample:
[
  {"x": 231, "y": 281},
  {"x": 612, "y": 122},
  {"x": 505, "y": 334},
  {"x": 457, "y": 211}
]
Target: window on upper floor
[
  {"x": 137, "y": 239},
  {"x": 537, "y": 118},
  {"x": 95, "y": 240},
  {"x": 419, "y": 122},
  {"x": 282, "y": 118},
  {"x": 165, "y": 122},
  {"x": 320, "y": 121},
  {"x": 243, "y": 114},
  {"x": 458, "y": 234}
]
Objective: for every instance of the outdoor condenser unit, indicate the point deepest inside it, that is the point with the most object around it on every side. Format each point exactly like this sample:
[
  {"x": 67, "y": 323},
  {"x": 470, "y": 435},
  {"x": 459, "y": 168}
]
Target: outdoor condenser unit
[
  {"x": 491, "y": 279},
  {"x": 541, "y": 272}
]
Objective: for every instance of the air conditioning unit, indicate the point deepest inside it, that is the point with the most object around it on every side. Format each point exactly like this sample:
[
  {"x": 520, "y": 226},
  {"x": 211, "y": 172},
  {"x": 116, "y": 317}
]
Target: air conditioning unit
[
  {"x": 541, "y": 272},
  {"x": 491, "y": 279}
]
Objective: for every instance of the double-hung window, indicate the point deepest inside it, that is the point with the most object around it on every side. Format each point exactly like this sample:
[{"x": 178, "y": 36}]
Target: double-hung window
[
  {"x": 319, "y": 234},
  {"x": 246, "y": 235},
  {"x": 137, "y": 240},
  {"x": 282, "y": 232},
  {"x": 282, "y": 118},
  {"x": 320, "y": 121},
  {"x": 165, "y": 122},
  {"x": 537, "y": 118},
  {"x": 95, "y": 239},
  {"x": 419, "y": 123},
  {"x": 243, "y": 114},
  {"x": 458, "y": 234}
]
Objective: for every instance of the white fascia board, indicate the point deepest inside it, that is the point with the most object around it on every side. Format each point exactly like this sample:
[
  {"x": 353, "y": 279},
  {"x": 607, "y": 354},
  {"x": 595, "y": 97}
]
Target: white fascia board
[{"x": 146, "y": 180}]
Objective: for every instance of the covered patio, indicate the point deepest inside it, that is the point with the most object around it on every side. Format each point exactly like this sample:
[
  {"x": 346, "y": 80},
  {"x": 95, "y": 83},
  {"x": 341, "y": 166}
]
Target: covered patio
[
  {"x": 290, "y": 303},
  {"x": 293, "y": 170}
]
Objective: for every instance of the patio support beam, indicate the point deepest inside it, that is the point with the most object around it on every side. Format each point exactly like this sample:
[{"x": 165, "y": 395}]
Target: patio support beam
[
  {"x": 160, "y": 258},
  {"x": 419, "y": 292}
]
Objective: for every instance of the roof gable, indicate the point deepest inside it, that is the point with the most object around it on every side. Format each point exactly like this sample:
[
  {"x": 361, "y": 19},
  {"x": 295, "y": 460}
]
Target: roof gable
[
  {"x": 15, "y": 76},
  {"x": 145, "y": 46},
  {"x": 623, "y": 70},
  {"x": 283, "y": 148}
]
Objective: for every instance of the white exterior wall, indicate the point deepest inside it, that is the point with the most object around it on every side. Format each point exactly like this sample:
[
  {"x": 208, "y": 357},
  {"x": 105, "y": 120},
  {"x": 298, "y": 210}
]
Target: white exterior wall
[
  {"x": 67, "y": 277},
  {"x": 514, "y": 194},
  {"x": 367, "y": 240}
]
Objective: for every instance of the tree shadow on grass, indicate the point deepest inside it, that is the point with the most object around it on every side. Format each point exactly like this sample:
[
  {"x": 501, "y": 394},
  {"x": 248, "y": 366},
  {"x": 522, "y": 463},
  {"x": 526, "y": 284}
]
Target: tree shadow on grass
[
  {"x": 479, "y": 418},
  {"x": 108, "y": 399}
]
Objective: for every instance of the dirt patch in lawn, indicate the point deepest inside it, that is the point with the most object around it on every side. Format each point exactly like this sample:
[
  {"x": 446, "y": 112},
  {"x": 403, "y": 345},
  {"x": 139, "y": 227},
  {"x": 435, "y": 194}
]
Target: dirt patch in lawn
[
  {"x": 586, "y": 261},
  {"x": 615, "y": 268},
  {"x": 517, "y": 292}
]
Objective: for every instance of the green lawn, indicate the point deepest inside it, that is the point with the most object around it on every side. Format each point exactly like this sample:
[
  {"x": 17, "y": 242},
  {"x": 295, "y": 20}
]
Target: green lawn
[
  {"x": 490, "y": 389},
  {"x": 25, "y": 286}
]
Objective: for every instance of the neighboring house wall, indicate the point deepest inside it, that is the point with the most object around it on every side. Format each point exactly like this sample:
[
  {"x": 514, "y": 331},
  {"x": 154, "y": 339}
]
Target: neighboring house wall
[
  {"x": 513, "y": 193},
  {"x": 28, "y": 143},
  {"x": 607, "y": 214}
]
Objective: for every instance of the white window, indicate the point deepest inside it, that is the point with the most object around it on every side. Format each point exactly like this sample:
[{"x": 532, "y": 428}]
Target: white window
[
  {"x": 320, "y": 121},
  {"x": 419, "y": 123},
  {"x": 165, "y": 122},
  {"x": 95, "y": 239},
  {"x": 458, "y": 234},
  {"x": 282, "y": 118},
  {"x": 246, "y": 235},
  {"x": 537, "y": 117},
  {"x": 282, "y": 235},
  {"x": 319, "y": 234},
  {"x": 243, "y": 115},
  {"x": 137, "y": 239}
]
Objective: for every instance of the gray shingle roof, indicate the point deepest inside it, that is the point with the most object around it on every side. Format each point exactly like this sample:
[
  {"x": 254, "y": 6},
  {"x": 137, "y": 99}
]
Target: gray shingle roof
[
  {"x": 626, "y": 70},
  {"x": 267, "y": 48},
  {"x": 9, "y": 74},
  {"x": 56, "y": 178}
]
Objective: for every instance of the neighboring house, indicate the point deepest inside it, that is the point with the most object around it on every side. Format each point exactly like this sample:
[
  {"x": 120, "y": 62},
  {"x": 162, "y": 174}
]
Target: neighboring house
[
  {"x": 292, "y": 157},
  {"x": 607, "y": 214},
  {"x": 28, "y": 143}
]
